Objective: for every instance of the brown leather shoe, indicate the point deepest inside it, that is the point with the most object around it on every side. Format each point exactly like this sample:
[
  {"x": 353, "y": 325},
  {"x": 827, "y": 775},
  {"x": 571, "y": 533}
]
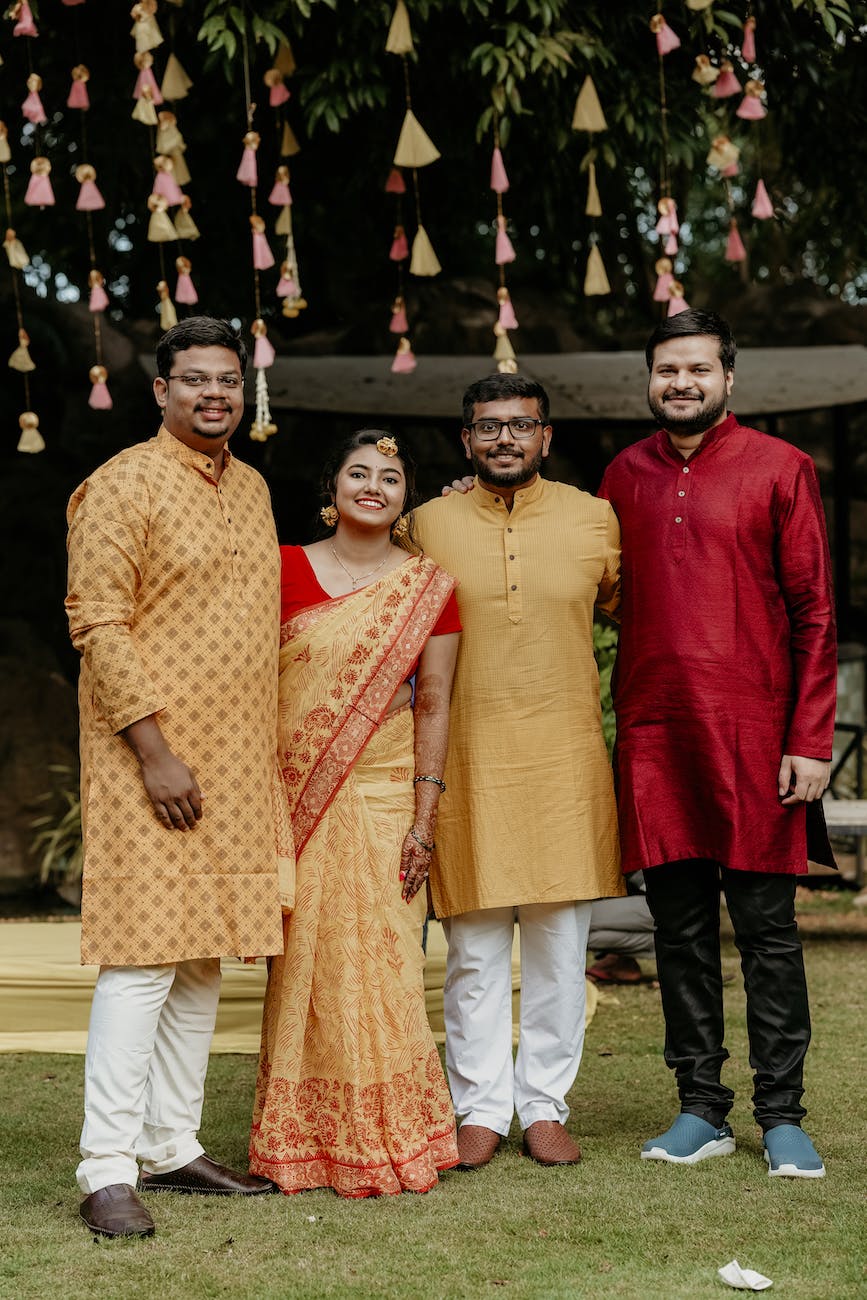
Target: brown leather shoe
[
  {"x": 548, "y": 1143},
  {"x": 116, "y": 1211},
  {"x": 477, "y": 1146},
  {"x": 205, "y": 1177}
]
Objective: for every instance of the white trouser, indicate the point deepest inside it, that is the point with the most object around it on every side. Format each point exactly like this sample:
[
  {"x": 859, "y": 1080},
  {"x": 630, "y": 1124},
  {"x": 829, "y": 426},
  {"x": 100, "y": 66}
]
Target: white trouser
[
  {"x": 477, "y": 1002},
  {"x": 144, "y": 1072}
]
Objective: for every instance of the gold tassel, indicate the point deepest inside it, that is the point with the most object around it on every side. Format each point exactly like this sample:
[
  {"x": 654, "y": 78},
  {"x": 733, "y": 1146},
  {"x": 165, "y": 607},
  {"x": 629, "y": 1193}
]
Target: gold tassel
[
  {"x": 285, "y": 59},
  {"x": 704, "y": 71},
  {"x": 169, "y": 138},
  {"x": 414, "y": 147},
  {"x": 15, "y": 251},
  {"x": 284, "y": 221},
  {"x": 160, "y": 228},
  {"x": 185, "y": 227},
  {"x": 503, "y": 350},
  {"x": 424, "y": 259},
  {"x": 593, "y": 206},
  {"x": 168, "y": 315},
  {"x": 5, "y": 151},
  {"x": 145, "y": 28},
  {"x": 595, "y": 279},
  {"x": 289, "y": 145},
  {"x": 399, "y": 33},
  {"x": 588, "y": 115},
  {"x": 176, "y": 83},
  {"x": 31, "y": 439},
  {"x": 21, "y": 359},
  {"x": 181, "y": 170},
  {"x": 722, "y": 153},
  {"x": 144, "y": 110}
]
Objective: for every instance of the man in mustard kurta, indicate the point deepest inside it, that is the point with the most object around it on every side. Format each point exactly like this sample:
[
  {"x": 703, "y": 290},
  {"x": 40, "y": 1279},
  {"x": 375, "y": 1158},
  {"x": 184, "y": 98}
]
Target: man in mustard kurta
[
  {"x": 528, "y": 827},
  {"x": 174, "y": 606}
]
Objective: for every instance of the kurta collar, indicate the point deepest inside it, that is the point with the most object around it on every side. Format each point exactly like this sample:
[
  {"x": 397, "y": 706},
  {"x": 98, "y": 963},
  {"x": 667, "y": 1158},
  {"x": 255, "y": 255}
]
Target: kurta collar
[
  {"x": 712, "y": 437},
  {"x": 493, "y": 502},
  {"x": 199, "y": 460}
]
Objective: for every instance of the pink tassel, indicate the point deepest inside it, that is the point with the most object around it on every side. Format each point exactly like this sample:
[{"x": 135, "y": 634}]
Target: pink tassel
[
  {"x": 89, "y": 198},
  {"x": 735, "y": 251},
  {"x": 78, "y": 96},
  {"x": 748, "y": 44},
  {"x": 676, "y": 305},
  {"x": 185, "y": 290},
  {"x": 100, "y": 397},
  {"x": 404, "y": 362},
  {"x": 262, "y": 255},
  {"x": 726, "y": 84},
  {"x": 280, "y": 196},
  {"x": 263, "y": 354},
  {"x": 671, "y": 245},
  {"x": 248, "y": 172},
  {"x": 762, "y": 207},
  {"x": 286, "y": 287},
  {"x": 399, "y": 247},
  {"x": 751, "y": 108},
  {"x": 278, "y": 95},
  {"x": 733, "y": 169},
  {"x": 395, "y": 183},
  {"x": 166, "y": 185},
  {"x": 663, "y": 283},
  {"x": 98, "y": 299},
  {"x": 504, "y": 250},
  {"x": 499, "y": 179},
  {"x": 39, "y": 193},
  {"x": 667, "y": 39},
  {"x": 507, "y": 317},
  {"x": 33, "y": 110},
  {"x": 25, "y": 25},
  {"x": 399, "y": 323},
  {"x": 147, "y": 78}
]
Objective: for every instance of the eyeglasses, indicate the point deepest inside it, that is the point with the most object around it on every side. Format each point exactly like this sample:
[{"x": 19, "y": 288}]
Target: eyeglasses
[
  {"x": 490, "y": 430},
  {"x": 201, "y": 381}
]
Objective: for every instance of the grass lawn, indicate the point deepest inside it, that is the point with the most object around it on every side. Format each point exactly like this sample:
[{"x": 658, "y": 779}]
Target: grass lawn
[{"x": 614, "y": 1226}]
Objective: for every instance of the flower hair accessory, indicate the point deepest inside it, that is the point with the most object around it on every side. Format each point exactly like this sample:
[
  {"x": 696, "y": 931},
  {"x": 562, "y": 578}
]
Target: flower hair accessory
[{"x": 386, "y": 446}]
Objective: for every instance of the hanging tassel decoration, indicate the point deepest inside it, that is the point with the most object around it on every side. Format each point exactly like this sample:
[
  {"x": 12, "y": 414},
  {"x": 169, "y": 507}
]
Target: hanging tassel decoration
[
  {"x": 25, "y": 25},
  {"x": 98, "y": 300},
  {"x": 89, "y": 198},
  {"x": 39, "y": 193},
  {"x": 588, "y": 115},
  {"x": 21, "y": 359},
  {"x": 160, "y": 228},
  {"x": 414, "y": 146},
  {"x": 395, "y": 183},
  {"x": 726, "y": 83},
  {"x": 504, "y": 251},
  {"x": 593, "y": 206},
  {"x": 277, "y": 92},
  {"x": 32, "y": 106},
  {"x": 751, "y": 106},
  {"x": 280, "y": 195},
  {"x": 666, "y": 39},
  {"x": 289, "y": 145},
  {"x": 723, "y": 154},
  {"x": 663, "y": 267},
  {"x": 404, "y": 362},
  {"x": 184, "y": 224},
  {"x": 763, "y": 208},
  {"x": 175, "y": 83},
  {"x": 399, "y": 246},
  {"x": 506, "y": 317},
  {"x": 15, "y": 251},
  {"x": 5, "y": 151},
  {"x": 704, "y": 72},
  {"x": 748, "y": 43},
  {"x": 424, "y": 260},
  {"x": 399, "y": 39},
  {"x": 145, "y": 29},
  {"x": 263, "y": 351},
  {"x": 504, "y": 353},
  {"x": 262, "y": 255},
  {"x": 735, "y": 251},
  {"x": 100, "y": 397},
  {"x": 164, "y": 181},
  {"x": 248, "y": 172},
  {"x": 31, "y": 439},
  {"x": 146, "y": 82},
  {"x": 168, "y": 315},
  {"x": 78, "y": 96},
  {"x": 595, "y": 278},
  {"x": 398, "y": 323},
  {"x": 286, "y": 286},
  {"x": 676, "y": 301},
  {"x": 185, "y": 290},
  {"x": 144, "y": 110},
  {"x": 499, "y": 179},
  {"x": 263, "y": 356}
]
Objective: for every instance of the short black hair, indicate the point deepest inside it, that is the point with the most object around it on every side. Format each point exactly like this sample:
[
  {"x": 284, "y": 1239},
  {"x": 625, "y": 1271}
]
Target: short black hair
[
  {"x": 367, "y": 438},
  {"x": 693, "y": 321},
  {"x": 198, "y": 332},
  {"x": 495, "y": 386}
]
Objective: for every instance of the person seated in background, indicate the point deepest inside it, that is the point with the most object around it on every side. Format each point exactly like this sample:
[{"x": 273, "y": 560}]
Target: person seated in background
[{"x": 621, "y": 933}]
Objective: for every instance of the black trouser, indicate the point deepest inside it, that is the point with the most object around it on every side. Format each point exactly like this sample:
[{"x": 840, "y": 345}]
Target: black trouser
[{"x": 685, "y": 903}]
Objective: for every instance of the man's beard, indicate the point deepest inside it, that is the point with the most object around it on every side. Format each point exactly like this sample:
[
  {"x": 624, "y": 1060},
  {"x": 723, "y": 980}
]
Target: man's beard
[
  {"x": 703, "y": 417},
  {"x": 521, "y": 472}
]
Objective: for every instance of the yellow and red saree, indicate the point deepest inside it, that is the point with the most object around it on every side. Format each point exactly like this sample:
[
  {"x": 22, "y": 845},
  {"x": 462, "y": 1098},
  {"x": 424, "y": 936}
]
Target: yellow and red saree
[{"x": 350, "y": 1093}]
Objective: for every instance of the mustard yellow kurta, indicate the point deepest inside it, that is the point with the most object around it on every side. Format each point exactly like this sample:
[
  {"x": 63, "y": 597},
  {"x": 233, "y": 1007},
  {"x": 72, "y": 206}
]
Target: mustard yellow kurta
[
  {"x": 529, "y": 815},
  {"x": 174, "y": 604}
]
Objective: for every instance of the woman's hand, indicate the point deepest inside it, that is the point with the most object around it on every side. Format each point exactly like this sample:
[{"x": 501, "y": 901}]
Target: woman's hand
[{"x": 414, "y": 867}]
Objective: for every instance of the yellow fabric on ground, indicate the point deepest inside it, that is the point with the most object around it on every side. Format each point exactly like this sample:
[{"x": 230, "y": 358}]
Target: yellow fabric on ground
[{"x": 45, "y": 993}]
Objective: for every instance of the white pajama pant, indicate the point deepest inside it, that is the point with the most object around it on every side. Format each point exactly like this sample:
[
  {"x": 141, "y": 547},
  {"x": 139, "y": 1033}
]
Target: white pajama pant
[
  {"x": 487, "y": 1086},
  {"x": 144, "y": 1072}
]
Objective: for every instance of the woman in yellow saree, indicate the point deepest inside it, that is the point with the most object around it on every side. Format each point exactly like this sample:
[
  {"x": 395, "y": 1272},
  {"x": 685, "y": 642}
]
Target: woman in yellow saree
[{"x": 351, "y": 1094}]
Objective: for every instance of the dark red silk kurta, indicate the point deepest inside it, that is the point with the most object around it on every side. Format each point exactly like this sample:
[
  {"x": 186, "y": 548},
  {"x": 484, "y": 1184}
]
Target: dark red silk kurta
[{"x": 727, "y": 655}]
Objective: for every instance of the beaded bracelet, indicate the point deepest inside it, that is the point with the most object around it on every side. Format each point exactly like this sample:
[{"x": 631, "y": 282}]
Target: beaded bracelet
[
  {"x": 429, "y": 848},
  {"x": 434, "y": 780}
]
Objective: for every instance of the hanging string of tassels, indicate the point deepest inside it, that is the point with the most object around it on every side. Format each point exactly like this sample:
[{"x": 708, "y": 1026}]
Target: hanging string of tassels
[
  {"x": 589, "y": 117},
  {"x": 171, "y": 173},
  {"x": 414, "y": 150},
  {"x": 289, "y": 284},
  {"x": 504, "y": 252},
  {"x": 668, "y": 223}
]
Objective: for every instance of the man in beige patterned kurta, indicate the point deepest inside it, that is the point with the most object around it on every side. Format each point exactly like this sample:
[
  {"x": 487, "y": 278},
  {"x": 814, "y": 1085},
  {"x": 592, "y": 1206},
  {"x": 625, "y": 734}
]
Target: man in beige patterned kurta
[{"x": 174, "y": 606}]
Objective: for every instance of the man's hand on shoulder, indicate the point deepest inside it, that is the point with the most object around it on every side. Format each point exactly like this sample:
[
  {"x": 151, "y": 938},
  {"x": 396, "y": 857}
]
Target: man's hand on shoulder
[
  {"x": 803, "y": 780},
  {"x": 462, "y": 485}
]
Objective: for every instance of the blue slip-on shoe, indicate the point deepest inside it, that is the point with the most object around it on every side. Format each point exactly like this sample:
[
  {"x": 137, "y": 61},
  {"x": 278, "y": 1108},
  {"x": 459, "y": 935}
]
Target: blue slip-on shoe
[
  {"x": 689, "y": 1140},
  {"x": 791, "y": 1154}
]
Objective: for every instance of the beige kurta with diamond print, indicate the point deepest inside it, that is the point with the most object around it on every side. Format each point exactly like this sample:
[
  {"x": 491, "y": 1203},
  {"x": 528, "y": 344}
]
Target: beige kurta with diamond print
[{"x": 174, "y": 604}]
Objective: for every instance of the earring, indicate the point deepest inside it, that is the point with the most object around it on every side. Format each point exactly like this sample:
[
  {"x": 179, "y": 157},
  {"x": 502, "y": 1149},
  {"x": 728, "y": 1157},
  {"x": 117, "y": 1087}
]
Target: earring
[
  {"x": 329, "y": 516},
  {"x": 400, "y": 527}
]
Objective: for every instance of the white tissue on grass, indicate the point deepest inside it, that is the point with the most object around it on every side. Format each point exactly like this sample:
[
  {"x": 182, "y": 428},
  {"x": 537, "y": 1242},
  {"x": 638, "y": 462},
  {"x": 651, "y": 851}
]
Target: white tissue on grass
[{"x": 744, "y": 1279}]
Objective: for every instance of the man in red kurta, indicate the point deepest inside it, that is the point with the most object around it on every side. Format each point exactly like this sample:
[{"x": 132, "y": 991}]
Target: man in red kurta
[{"x": 725, "y": 698}]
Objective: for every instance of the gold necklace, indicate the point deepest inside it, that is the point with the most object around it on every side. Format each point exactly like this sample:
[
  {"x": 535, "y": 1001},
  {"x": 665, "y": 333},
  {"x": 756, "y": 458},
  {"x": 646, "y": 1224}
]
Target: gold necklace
[{"x": 355, "y": 581}]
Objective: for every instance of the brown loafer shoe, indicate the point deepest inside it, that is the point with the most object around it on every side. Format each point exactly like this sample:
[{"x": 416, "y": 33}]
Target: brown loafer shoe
[
  {"x": 614, "y": 968},
  {"x": 548, "y": 1143},
  {"x": 204, "y": 1177},
  {"x": 116, "y": 1211},
  {"x": 477, "y": 1146}
]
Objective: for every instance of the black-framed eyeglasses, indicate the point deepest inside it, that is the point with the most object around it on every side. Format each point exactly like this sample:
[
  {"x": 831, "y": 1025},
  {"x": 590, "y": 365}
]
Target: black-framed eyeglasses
[
  {"x": 200, "y": 381},
  {"x": 490, "y": 430}
]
